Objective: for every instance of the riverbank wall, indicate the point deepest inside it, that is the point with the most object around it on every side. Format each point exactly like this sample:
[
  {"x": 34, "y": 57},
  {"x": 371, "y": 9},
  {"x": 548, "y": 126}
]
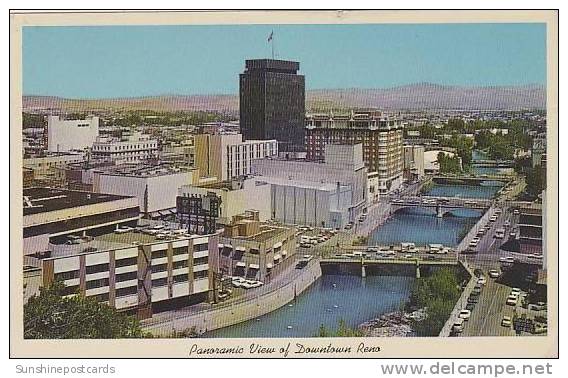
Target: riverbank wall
[{"x": 240, "y": 310}]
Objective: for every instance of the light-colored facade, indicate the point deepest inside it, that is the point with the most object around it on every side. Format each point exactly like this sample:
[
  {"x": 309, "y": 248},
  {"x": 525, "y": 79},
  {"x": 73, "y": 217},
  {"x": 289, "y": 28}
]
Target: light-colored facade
[
  {"x": 256, "y": 251},
  {"x": 330, "y": 193},
  {"x": 381, "y": 137},
  {"x": 154, "y": 185},
  {"x": 132, "y": 149},
  {"x": 66, "y": 135},
  {"x": 136, "y": 273},
  {"x": 237, "y": 196},
  {"x": 413, "y": 162},
  {"x": 46, "y": 166},
  {"x": 227, "y": 156}
]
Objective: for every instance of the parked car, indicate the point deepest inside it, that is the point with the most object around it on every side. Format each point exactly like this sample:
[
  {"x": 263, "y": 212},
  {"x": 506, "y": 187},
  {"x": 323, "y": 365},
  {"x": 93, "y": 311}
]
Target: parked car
[
  {"x": 470, "y": 306},
  {"x": 512, "y": 300},
  {"x": 493, "y": 273},
  {"x": 482, "y": 280},
  {"x": 464, "y": 314},
  {"x": 458, "y": 325},
  {"x": 506, "y": 322}
]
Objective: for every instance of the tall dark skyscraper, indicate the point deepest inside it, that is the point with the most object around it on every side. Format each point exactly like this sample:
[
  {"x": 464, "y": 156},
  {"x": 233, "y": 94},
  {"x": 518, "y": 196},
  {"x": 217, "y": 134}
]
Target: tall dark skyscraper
[{"x": 272, "y": 103}]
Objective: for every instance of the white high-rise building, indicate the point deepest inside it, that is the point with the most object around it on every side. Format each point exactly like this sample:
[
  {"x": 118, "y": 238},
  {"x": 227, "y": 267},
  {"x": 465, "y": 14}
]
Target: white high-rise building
[
  {"x": 134, "y": 148},
  {"x": 227, "y": 156},
  {"x": 65, "y": 135}
]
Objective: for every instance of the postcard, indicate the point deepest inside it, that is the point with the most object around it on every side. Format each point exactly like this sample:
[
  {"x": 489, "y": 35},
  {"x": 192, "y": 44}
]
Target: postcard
[{"x": 270, "y": 184}]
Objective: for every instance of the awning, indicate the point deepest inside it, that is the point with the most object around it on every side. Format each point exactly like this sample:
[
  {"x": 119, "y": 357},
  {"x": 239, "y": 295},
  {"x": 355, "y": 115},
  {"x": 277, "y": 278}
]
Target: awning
[
  {"x": 228, "y": 246},
  {"x": 254, "y": 266},
  {"x": 269, "y": 265},
  {"x": 277, "y": 256},
  {"x": 277, "y": 245},
  {"x": 284, "y": 252},
  {"x": 221, "y": 245},
  {"x": 241, "y": 264},
  {"x": 241, "y": 249}
]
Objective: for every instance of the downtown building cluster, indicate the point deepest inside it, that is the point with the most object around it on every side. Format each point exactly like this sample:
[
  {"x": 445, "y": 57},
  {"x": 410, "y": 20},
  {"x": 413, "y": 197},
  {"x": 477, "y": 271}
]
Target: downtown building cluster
[{"x": 152, "y": 219}]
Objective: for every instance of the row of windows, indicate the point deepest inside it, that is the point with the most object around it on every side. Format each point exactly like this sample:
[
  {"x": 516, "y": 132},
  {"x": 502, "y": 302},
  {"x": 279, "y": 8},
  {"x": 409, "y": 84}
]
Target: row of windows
[
  {"x": 97, "y": 283},
  {"x": 201, "y": 260}
]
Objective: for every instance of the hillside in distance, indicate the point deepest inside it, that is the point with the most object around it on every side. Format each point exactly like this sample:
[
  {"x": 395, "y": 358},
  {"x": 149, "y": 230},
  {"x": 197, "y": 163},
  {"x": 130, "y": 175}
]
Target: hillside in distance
[{"x": 423, "y": 96}]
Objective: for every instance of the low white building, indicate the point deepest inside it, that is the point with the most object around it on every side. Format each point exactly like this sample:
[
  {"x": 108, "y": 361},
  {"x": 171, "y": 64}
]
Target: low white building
[
  {"x": 330, "y": 193},
  {"x": 65, "y": 135},
  {"x": 130, "y": 149},
  {"x": 237, "y": 196},
  {"x": 156, "y": 186}
]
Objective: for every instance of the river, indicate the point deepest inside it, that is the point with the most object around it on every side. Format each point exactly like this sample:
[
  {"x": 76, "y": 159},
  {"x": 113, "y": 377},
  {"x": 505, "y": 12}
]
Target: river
[
  {"x": 327, "y": 301},
  {"x": 421, "y": 226}
]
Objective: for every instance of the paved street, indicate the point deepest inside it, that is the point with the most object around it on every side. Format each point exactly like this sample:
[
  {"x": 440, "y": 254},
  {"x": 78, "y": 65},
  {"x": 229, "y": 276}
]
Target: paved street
[{"x": 489, "y": 311}]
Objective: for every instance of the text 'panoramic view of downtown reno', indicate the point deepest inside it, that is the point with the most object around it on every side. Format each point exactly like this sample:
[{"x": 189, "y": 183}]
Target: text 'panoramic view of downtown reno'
[{"x": 284, "y": 181}]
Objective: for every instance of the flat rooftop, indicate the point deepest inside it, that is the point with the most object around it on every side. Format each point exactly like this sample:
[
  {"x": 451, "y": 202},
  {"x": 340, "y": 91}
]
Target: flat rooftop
[
  {"x": 145, "y": 170},
  {"x": 266, "y": 232},
  {"x": 42, "y": 200}
]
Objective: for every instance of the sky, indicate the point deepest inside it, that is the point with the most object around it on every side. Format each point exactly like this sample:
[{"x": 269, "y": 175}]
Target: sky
[{"x": 131, "y": 61}]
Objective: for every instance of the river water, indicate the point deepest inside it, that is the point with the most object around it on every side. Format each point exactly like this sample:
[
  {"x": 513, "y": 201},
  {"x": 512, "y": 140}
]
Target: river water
[
  {"x": 421, "y": 226},
  {"x": 355, "y": 299},
  {"x": 327, "y": 301}
]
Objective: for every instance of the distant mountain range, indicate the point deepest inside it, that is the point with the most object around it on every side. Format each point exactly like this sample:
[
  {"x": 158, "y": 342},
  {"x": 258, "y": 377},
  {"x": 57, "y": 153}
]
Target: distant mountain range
[{"x": 412, "y": 97}]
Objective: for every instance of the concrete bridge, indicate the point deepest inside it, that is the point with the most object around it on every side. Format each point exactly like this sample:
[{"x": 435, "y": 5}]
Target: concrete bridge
[
  {"x": 470, "y": 179},
  {"x": 364, "y": 264},
  {"x": 493, "y": 163},
  {"x": 442, "y": 205}
]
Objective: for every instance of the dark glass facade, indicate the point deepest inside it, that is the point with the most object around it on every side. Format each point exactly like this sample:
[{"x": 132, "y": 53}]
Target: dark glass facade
[{"x": 272, "y": 103}]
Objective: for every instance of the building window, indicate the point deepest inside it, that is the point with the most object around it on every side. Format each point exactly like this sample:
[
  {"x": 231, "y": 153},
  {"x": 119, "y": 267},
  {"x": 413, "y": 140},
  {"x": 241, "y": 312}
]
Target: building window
[
  {"x": 180, "y": 278},
  {"x": 97, "y": 268},
  {"x": 101, "y": 297},
  {"x": 126, "y": 276},
  {"x": 160, "y": 282},
  {"x": 125, "y": 291},
  {"x": 201, "y": 274},
  {"x": 66, "y": 275},
  {"x": 180, "y": 264},
  {"x": 126, "y": 262},
  {"x": 159, "y": 268},
  {"x": 179, "y": 251},
  {"x": 201, "y": 260},
  {"x": 159, "y": 254},
  {"x": 97, "y": 283},
  {"x": 201, "y": 247}
]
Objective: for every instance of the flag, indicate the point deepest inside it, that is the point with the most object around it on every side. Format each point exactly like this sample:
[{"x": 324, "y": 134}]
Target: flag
[{"x": 270, "y": 36}]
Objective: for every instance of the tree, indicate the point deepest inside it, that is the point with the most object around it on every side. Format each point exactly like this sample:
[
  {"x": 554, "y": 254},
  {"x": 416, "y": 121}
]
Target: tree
[
  {"x": 448, "y": 164},
  {"x": 536, "y": 180},
  {"x": 437, "y": 293},
  {"x": 342, "y": 331},
  {"x": 50, "y": 315}
]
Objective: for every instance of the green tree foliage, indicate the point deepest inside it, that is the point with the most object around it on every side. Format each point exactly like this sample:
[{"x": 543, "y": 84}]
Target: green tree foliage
[
  {"x": 536, "y": 180},
  {"x": 449, "y": 164},
  {"x": 438, "y": 293},
  {"x": 49, "y": 315},
  {"x": 342, "y": 331},
  {"x": 463, "y": 146}
]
